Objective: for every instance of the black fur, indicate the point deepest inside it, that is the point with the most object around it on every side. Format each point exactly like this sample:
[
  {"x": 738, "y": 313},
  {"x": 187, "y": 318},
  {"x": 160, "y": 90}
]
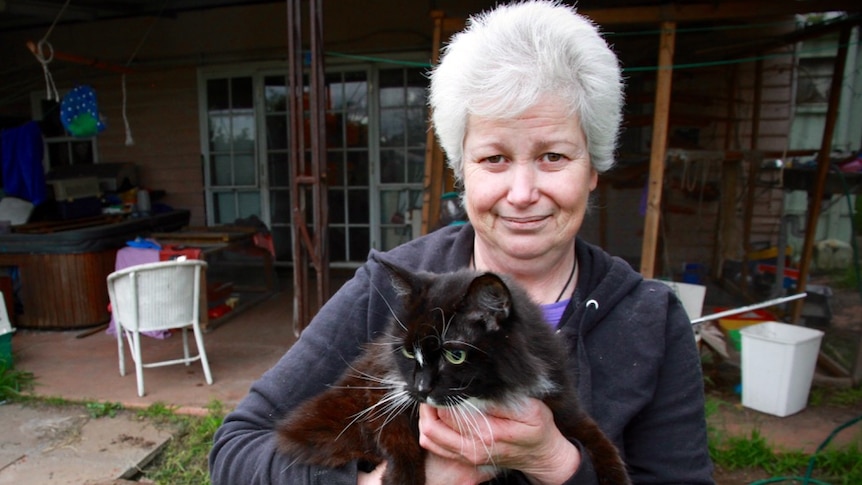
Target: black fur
[{"x": 479, "y": 337}]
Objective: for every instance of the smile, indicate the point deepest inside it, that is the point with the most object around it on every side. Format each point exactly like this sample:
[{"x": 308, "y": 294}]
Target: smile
[
  {"x": 524, "y": 222},
  {"x": 524, "y": 218}
]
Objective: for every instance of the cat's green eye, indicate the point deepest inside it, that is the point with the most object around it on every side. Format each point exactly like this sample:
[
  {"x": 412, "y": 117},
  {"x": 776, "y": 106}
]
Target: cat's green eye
[
  {"x": 455, "y": 356},
  {"x": 406, "y": 353}
]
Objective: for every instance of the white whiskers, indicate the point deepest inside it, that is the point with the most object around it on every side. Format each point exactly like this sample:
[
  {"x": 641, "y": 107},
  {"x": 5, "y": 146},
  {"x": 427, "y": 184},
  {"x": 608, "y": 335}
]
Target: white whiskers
[
  {"x": 467, "y": 415},
  {"x": 396, "y": 400},
  {"x": 391, "y": 310}
]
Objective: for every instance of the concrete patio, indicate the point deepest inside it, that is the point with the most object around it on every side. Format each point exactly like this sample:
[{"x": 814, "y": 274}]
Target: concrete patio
[{"x": 81, "y": 365}]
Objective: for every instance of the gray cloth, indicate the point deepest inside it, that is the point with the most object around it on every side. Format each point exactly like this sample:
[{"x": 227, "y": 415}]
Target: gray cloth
[{"x": 638, "y": 369}]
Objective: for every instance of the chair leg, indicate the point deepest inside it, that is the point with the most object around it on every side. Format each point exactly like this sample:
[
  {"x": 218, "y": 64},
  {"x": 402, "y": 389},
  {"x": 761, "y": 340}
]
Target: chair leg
[
  {"x": 186, "y": 346},
  {"x": 121, "y": 350},
  {"x": 139, "y": 366},
  {"x": 199, "y": 340}
]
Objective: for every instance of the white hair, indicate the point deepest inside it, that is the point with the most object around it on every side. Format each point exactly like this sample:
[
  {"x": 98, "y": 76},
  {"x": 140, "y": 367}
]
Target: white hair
[{"x": 509, "y": 58}]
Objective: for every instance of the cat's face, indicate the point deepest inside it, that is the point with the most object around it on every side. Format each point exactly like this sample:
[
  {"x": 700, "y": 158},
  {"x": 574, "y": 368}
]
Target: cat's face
[{"x": 451, "y": 337}]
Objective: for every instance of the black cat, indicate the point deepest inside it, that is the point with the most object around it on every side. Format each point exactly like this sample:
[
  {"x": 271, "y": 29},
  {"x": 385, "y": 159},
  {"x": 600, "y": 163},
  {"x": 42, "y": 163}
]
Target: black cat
[{"x": 459, "y": 340}]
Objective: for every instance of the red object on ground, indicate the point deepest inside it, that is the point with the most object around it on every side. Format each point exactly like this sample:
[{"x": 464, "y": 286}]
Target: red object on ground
[{"x": 218, "y": 311}]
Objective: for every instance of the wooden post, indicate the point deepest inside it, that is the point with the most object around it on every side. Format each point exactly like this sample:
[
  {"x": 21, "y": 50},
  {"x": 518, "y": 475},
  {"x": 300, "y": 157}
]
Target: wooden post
[
  {"x": 815, "y": 199},
  {"x": 434, "y": 159},
  {"x": 754, "y": 160},
  {"x": 659, "y": 147}
]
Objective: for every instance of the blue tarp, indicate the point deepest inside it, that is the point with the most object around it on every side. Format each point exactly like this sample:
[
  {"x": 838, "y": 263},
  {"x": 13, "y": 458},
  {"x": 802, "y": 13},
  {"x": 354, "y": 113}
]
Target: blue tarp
[{"x": 23, "y": 175}]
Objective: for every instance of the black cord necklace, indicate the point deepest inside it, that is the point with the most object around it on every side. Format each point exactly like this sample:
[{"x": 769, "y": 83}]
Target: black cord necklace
[
  {"x": 562, "y": 292},
  {"x": 568, "y": 281}
]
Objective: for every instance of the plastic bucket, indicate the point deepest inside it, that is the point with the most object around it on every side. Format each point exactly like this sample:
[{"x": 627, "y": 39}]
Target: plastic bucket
[{"x": 778, "y": 362}]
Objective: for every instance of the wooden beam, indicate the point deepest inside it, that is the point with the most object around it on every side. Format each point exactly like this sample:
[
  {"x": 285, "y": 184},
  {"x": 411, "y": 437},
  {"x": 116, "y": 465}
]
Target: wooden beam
[
  {"x": 727, "y": 234},
  {"x": 76, "y": 59},
  {"x": 753, "y": 171},
  {"x": 726, "y": 227},
  {"x": 708, "y": 10},
  {"x": 823, "y": 162},
  {"x": 434, "y": 160},
  {"x": 659, "y": 146},
  {"x": 678, "y": 13}
]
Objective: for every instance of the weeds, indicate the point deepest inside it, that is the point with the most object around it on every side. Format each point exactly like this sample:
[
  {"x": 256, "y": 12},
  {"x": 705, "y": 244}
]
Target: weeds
[
  {"x": 184, "y": 460},
  {"x": 850, "y": 397},
  {"x": 839, "y": 466},
  {"x": 738, "y": 452},
  {"x": 102, "y": 409},
  {"x": 13, "y": 382}
]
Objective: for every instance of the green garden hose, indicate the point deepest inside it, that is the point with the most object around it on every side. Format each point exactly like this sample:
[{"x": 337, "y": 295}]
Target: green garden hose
[{"x": 807, "y": 478}]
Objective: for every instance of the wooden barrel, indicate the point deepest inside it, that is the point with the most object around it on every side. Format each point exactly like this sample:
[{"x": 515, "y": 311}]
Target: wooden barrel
[{"x": 63, "y": 291}]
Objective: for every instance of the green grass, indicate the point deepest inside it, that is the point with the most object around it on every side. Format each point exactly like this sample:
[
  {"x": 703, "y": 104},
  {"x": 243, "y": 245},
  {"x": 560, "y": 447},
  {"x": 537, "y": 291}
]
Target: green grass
[
  {"x": 13, "y": 382},
  {"x": 102, "y": 409},
  {"x": 831, "y": 464},
  {"x": 184, "y": 460},
  {"x": 753, "y": 451}
]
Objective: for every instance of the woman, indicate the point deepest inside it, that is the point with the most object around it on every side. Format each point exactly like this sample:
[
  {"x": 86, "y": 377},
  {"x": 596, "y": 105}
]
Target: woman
[{"x": 527, "y": 105}]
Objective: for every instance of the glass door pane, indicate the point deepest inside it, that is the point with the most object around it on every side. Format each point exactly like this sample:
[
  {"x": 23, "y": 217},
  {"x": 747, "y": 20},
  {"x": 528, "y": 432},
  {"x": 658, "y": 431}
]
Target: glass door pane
[
  {"x": 402, "y": 154},
  {"x": 232, "y": 174},
  {"x": 347, "y": 166},
  {"x": 277, "y": 120}
]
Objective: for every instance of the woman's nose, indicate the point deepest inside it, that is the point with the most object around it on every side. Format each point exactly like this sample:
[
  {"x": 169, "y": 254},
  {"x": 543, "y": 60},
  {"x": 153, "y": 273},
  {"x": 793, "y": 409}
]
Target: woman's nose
[{"x": 523, "y": 188}]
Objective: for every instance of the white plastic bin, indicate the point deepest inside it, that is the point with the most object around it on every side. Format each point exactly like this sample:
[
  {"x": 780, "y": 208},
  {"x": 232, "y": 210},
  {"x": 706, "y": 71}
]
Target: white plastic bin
[
  {"x": 691, "y": 296},
  {"x": 778, "y": 362}
]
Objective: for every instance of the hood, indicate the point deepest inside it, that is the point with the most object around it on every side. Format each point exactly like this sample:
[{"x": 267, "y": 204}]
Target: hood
[{"x": 605, "y": 280}]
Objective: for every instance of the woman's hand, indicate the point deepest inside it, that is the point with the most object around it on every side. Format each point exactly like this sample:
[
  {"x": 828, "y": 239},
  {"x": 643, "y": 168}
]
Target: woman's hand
[
  {"x": 438, "y": 471},
  {"x": 446, "y": 471},
  {"x": 525, "y": 439}
]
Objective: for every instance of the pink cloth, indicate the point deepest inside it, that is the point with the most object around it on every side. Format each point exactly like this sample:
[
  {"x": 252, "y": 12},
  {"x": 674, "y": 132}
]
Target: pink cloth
[{"x": 129, "y": 256}]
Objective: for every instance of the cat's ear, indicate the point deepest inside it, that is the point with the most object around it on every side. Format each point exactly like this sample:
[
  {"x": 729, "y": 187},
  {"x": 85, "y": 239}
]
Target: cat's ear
[
  {"x": 490, "y": 300},
  {"x": 402, "y": 280}
]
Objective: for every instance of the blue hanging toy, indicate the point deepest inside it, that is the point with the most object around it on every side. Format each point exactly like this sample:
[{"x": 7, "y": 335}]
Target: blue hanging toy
[{"x": 79, "y": 112}]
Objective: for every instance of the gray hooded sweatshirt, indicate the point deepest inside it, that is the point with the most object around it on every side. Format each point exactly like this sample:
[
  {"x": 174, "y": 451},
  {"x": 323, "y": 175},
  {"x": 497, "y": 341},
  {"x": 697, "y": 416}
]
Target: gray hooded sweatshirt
[{"x": 635, "y": 363}]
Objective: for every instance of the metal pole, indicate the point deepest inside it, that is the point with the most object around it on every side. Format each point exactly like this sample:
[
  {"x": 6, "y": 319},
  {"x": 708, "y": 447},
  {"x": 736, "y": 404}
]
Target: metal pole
[{"x": 737, "y": 311}]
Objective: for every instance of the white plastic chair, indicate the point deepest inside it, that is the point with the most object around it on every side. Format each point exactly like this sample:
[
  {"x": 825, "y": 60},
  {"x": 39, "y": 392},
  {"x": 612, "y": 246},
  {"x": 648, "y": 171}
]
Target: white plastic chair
[{"x": 158, "y": 296}]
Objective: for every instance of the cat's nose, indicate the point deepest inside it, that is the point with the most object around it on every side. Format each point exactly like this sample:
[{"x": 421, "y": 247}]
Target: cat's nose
[
  {"x": 424, "y": 384},
  {"x": 423, "y": 381},
  {"x": 423, "y": 388}
]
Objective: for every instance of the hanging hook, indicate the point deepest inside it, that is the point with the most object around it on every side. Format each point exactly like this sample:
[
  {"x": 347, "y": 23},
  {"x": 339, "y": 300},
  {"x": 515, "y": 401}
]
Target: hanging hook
[{"x": 44, "y": 53}]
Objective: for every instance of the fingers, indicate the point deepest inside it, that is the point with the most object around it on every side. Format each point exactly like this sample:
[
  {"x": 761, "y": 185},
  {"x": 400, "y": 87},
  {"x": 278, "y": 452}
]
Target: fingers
[
  {"x": 454, "y": 434},
  {"x": 435, "y": 435},
  {"x": 444, "y": 471},
  {"x": 523, "y": 438}
]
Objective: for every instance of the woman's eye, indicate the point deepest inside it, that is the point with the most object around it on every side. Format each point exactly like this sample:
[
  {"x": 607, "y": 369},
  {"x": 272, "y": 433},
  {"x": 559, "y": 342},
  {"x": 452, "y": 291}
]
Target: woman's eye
[
  {"x": 494, "y": 159},
  {"x": 553, "y": 157},
  {"x": 455, "y": 356},
  {"x": 406, "y": 353}
]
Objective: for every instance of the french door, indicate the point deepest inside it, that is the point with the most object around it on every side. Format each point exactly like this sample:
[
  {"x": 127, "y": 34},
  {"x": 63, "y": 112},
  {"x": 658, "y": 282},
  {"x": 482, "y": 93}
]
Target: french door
[{"x": 375, "y": 148}]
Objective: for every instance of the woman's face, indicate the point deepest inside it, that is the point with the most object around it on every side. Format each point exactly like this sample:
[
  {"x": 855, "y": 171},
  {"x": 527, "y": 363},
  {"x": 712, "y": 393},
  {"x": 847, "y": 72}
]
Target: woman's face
[{"x": 527, "y": 181}]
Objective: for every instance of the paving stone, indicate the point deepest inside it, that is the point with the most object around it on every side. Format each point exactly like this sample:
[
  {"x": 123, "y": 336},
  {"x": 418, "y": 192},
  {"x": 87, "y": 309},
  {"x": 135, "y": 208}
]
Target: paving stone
[{"x": 64, "y": 445}]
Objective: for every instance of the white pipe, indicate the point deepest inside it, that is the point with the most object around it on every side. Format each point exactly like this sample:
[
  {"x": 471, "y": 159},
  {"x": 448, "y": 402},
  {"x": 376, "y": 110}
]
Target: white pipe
[{"x": 737, "y": 311}]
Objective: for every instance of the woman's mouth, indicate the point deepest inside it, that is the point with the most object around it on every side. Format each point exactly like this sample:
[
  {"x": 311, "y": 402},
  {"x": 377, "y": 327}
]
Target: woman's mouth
[{"x": 524, "y": 223}]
